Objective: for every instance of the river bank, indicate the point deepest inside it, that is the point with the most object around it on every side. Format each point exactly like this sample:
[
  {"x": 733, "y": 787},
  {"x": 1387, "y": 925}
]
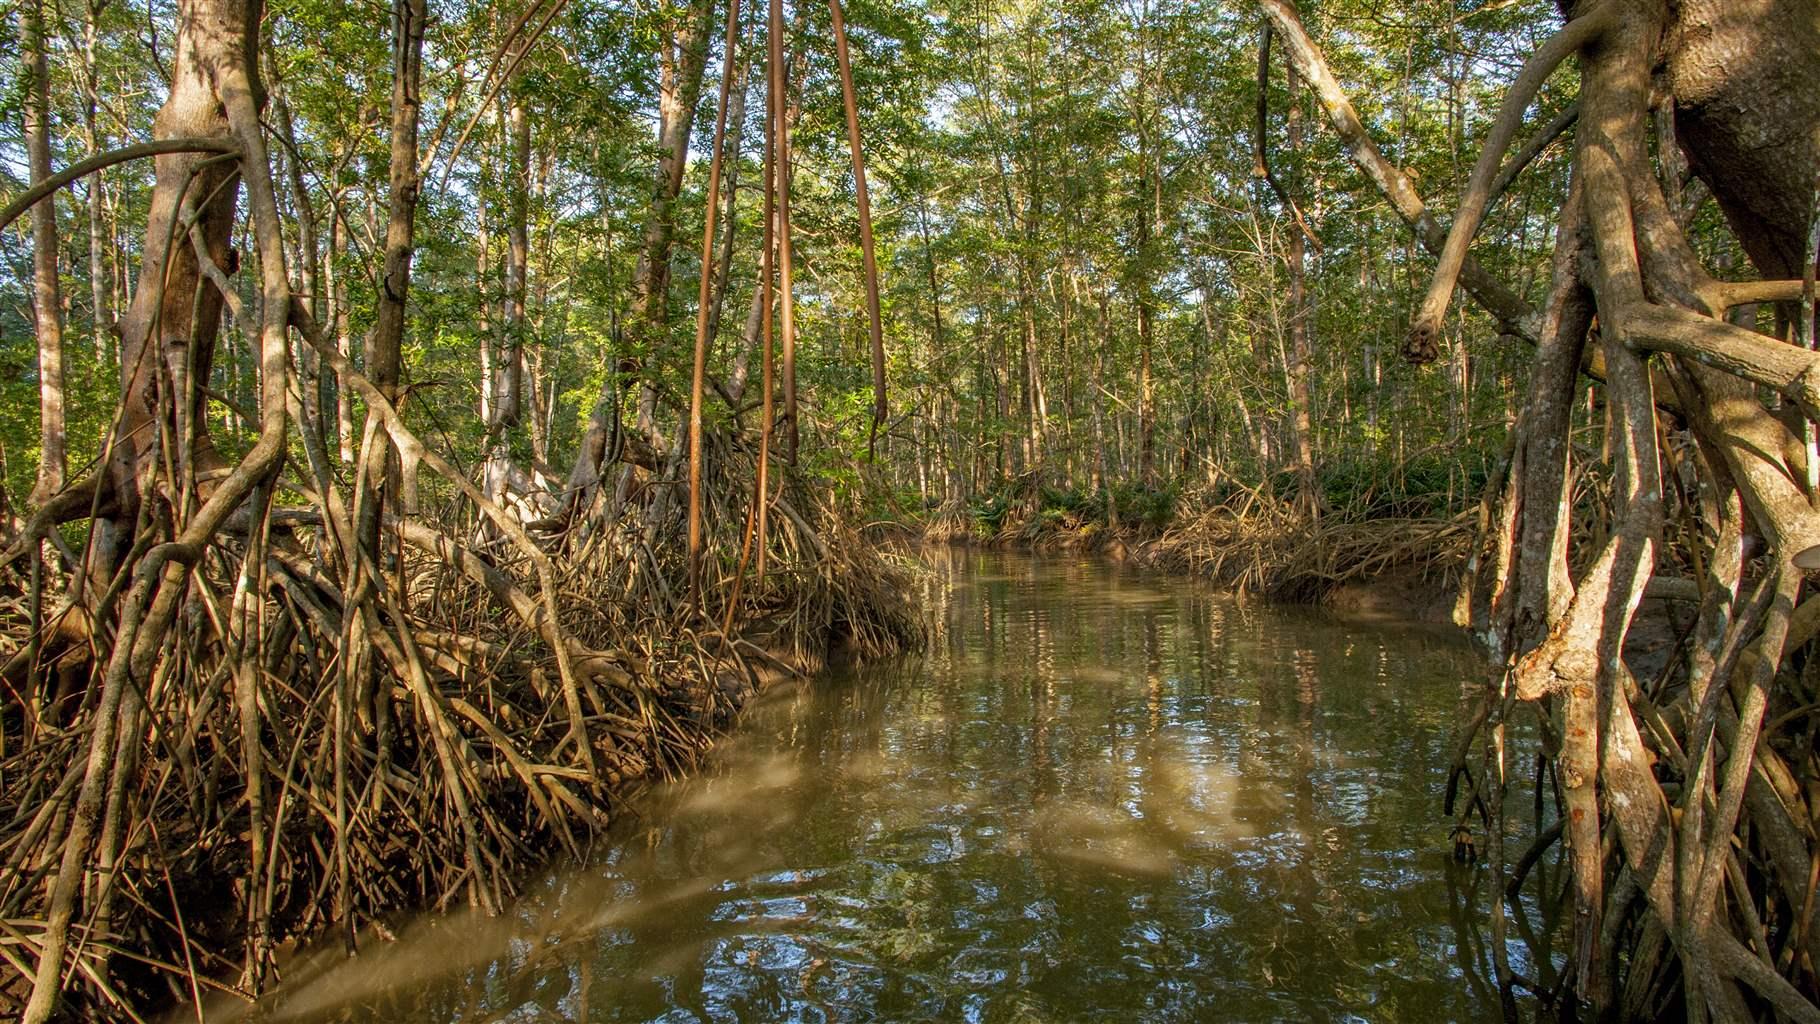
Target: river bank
[
  {"x": 496, "y": 719},
  {"x": 1386, "y": 572},
  {"x": 1373, "y": 568}
]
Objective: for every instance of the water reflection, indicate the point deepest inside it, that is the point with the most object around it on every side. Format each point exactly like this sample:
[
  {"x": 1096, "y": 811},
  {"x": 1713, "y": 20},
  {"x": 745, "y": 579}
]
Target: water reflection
[{"x": 1098, "y": 796}]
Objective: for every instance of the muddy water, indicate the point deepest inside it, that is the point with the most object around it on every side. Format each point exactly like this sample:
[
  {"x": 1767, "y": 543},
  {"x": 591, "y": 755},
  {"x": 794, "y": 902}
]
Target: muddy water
[{"x": 1098, "y": 796}]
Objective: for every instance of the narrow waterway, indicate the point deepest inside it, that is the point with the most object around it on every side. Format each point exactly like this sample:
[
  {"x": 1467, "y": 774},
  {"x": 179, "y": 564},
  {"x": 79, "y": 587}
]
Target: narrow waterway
[{"x": 1098, "y": 796}]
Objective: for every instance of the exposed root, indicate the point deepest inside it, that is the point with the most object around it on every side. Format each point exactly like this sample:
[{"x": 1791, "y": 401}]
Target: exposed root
[
  {"x": 1275, "y": 551},
  {"x": 414, "y": 742}
]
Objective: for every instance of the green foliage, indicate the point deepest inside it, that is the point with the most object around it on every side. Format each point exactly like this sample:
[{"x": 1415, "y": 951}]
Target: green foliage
[
  {"x": 1044, "y": 172},
  {"x": 1153, "y": 507},
  {"x": 1431, "y": 486},
  {"x": 1011, "y": 512},
  {"x": 988, "y": 514}
]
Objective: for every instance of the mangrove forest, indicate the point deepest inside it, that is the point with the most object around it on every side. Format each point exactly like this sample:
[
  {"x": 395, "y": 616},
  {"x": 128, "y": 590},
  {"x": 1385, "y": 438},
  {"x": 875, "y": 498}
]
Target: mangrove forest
[{"x": 988, "y": 510}]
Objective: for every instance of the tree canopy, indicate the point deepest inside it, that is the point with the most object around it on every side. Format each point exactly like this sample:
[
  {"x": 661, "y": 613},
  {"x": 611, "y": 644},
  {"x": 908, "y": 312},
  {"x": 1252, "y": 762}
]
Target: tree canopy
[{"x": 425, "y": 419}]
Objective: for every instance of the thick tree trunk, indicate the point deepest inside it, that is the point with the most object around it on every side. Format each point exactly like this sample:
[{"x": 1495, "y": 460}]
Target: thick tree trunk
[
  {"x": 47, "y": 295},
  {"x": 171, "y": 326},
  {"x": 1745, "y": 111}
]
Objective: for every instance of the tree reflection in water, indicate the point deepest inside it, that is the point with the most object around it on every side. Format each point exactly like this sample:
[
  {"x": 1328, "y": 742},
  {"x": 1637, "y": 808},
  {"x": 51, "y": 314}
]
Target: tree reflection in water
[{"x": 1099, "y": 796}]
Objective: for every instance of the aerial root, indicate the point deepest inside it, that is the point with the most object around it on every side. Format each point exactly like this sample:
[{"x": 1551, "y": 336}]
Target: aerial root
[
  {"x": 414, "y": 732},
  {"x": 1257, "y": 545}
]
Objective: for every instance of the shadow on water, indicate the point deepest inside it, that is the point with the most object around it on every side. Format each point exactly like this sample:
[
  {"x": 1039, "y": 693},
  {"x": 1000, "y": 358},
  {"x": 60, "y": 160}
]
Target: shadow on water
[{"x": 1098, "y": 796}]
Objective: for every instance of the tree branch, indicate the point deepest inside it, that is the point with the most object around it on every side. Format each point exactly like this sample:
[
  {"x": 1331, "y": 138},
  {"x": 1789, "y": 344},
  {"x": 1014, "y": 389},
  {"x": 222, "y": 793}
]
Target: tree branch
[
  {"x": 1720, "y": 296},
  {"x": 1513, "y": 314},
  {"x": 1420, "y": 345},
  {"x": 157, "y": 147},
  {"x": 1260, "y": 142},
  {"x": 1757, "y": 358},
  {"x": 1526, "y": 155}
]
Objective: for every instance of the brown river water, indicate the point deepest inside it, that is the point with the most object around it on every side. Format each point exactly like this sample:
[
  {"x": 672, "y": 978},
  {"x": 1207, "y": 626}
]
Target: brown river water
[{"x": 1100, "y": 795}]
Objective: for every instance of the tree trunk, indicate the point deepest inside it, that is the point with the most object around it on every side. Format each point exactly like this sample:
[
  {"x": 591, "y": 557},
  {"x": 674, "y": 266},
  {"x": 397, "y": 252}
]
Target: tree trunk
[
  {"x": 1746, "y": 126},
  {"x": 384, "y": 350},
  {"x": 47, "y": 296},
  {"x": 1102, "y": 475},
  {"x": 729, "y": 222},
  {"x": 1146, "y": 393},
  {"x": 685, "y": 59},
  {"x": 537, "y": 388},
  {"x": 509, "y": 362},
  {"x": 308, "y": 259},
  {"x": 99, "y": 276},
  {"x": 1300, "y": 315},
  {"x": 501, "y": 475},
  {"x": 171, "y": 326},
  {"x": 483, "y": 303},
  {"x": 338, "y": 320},
  {"x": 1146, "y": 328}
]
